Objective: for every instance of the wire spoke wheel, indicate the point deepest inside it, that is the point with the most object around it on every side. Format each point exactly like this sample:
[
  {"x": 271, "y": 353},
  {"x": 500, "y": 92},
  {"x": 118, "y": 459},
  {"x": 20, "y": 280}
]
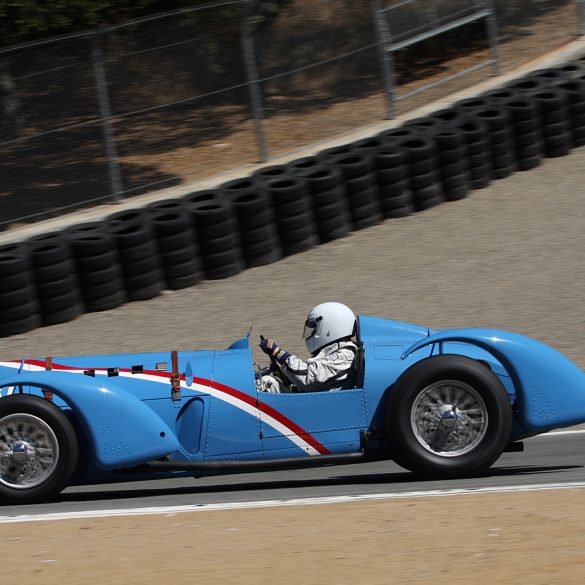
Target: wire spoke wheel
[
  {"x": 449, "y": 418},
  {"x": 29, "y": 451},
  {"x": 39, "y": 450}
]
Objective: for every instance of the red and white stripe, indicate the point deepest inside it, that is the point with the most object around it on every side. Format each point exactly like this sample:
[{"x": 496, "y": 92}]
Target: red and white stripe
[{"x": 236, "y": 398}]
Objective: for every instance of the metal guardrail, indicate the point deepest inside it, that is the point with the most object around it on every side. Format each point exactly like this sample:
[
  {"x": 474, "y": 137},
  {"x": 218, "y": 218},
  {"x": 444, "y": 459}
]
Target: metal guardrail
[{"x": 434, "y": 26}]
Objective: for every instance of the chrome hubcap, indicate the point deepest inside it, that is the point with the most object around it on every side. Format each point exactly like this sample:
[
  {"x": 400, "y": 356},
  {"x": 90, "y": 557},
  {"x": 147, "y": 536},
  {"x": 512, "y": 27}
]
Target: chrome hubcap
[
  {"x": 449, "y": 418},
  {"x": 29, "y": 451}
]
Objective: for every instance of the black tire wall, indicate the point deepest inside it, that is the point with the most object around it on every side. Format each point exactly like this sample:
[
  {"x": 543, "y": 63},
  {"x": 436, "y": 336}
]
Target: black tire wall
[{"x": 287, "y": 209}]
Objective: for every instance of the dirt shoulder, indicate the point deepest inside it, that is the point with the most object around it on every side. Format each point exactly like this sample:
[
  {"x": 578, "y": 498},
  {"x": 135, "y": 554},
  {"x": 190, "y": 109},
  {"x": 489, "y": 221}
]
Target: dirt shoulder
[{"x": 534, "y": 538}]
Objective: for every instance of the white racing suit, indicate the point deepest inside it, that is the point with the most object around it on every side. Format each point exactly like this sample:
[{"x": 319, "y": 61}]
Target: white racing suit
[{"x": 331, "y": 369}]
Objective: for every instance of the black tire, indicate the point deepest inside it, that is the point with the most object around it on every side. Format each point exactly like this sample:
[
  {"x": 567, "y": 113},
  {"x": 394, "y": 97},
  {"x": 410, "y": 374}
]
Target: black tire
[
  {"x": 48, "y": 248},
  {"x": 529, "y": 162},
  {"x": 176, "y": 242},
  {"x": 456, "y": 193},
  {"x": 449, "y": 116},
  {"x": 270, "y": 173},
  {"x": 56, "y": 287},
  {"x": 394, "y": 135},
  {"x": 354, "y": 165},
  {"x": 426, "y": 123},
  {"x": 219, "y": 244},
  {"x": 335, "y": 209},
  {"x": 18, "y": 312},
  {"x": 224, "y": 271},
  {"x": 130, "y": 234},
  {"x": 390, "y": 157},
  {"x": 105, "y": 303},
  {"x": 169, "y": 223},
  {"x": 419, "y": 182},
  {"x": 19, "y": 326},
  {"x": 471, "y": 105},
  {"x": 528, "y": 84},
  {"x": 419, "y": 148},
  {"x": 9, "y": 299},
  {"x": 110, "y": 274},
  {"x": 57, "y": 303},
  {"x": 89, "y": 264},
  {"x": 398, "y": 212},
  {"x": 359, "y": 184},
  {"x": 478, "y": 386},
  {"x": 372, "y": 142},
  {"x": 58, "y": 429},
  {"x": 301, "y": 164},
  {"x": 459, "y": 167},
  {"x": 144, "y": 292},
  {"x": 389, "y": 176},
  {"x": 405, "y": 199},
  {"x": 103, "y": 289},
  {"x": 166, "y": 205},
  {"x": 499, "y": 95},
  {"x": 335, "y": 195},
  {"x": 427, "y": 203},
  {"x": 13, "y": 261},
  {"x": 63, "y": 315},
  {"x": 183, "y": 281},
  {"x": 334, "y": 234},
  {"x": 16, "y": 281},
  {"x": 329, "y": 154}
]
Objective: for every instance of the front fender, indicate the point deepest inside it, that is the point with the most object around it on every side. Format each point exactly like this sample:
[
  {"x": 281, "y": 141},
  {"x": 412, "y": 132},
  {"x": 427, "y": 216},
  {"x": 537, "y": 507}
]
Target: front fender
[
  {"x": 550, "y": 388},
  {"x": 122, "y": 429}
]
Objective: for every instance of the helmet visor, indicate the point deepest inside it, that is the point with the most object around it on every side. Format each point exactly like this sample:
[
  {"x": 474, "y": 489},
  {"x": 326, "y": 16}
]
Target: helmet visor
[{"x": 311, "y": 327}]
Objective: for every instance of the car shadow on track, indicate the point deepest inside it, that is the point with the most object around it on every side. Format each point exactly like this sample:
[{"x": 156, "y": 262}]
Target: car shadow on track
[{"x": 394, "y": 480}]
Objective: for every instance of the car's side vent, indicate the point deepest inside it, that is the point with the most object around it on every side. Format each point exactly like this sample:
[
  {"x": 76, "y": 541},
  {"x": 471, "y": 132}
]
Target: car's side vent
[
  {"x": 137, "y": 369},
  {"x": 113, "y": 372},
  {"x": 89, "y": 373}
]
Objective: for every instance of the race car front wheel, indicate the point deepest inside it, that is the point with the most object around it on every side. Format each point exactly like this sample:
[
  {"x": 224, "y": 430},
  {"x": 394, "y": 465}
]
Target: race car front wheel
[
  {"x": 448, "y": 416},
  {"x": 38, "y": 449}
]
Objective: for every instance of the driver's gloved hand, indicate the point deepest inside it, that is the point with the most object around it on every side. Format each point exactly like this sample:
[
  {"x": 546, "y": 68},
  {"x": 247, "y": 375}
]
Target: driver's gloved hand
[{"x": 271, "y": 348}]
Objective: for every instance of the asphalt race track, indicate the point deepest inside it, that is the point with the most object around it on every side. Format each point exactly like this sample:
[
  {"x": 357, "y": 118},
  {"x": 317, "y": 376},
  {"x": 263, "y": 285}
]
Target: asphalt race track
[
  {"x": 511, "y": 256},
  {"x": 546, "y": 460}
]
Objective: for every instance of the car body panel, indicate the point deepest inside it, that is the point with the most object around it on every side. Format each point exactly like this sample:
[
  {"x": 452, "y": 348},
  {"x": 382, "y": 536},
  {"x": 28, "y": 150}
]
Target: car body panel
[
  {"x": 550, "y": 388},
  {"x": 128, "y": 417}
]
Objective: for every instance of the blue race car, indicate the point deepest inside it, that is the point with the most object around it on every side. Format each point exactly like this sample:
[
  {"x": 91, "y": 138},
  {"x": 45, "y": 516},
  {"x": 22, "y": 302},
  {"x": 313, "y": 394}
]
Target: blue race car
[{"x": 441, "y": 404}]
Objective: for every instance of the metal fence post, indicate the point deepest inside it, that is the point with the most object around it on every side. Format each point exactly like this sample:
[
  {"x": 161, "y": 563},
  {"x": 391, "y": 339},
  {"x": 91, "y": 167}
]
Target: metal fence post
[
  {"x": 580, "y": 17},
  {"x": 106, "y": 115},
  {"x": 492, "y": 31},
  {"x": 386, "y": 62},
  {"x": 254, "y": 87}
]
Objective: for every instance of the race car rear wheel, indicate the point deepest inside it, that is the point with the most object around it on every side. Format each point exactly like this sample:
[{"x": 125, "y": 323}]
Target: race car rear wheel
[
  {"x": 448, "y": 416},
  {"x": 38, "y": 449}
]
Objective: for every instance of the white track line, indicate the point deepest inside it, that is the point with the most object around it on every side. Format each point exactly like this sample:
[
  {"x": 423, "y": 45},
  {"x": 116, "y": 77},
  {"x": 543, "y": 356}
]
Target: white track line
[
  {"x": 553, "y": 433},
  {"x": 172, "y": 510}
]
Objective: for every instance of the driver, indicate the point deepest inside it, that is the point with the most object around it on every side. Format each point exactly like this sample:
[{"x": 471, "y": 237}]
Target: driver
[{"x": 328, "y": 331}]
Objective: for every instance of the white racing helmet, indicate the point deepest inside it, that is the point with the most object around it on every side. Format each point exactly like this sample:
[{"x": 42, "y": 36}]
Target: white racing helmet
[{"x": 326, "y": 323}]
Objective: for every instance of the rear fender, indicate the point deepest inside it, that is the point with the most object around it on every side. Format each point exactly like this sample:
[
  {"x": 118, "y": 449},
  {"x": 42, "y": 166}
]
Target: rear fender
[
  {"x": 122, "y": 430},
  {"x": 550, "y": 388}
]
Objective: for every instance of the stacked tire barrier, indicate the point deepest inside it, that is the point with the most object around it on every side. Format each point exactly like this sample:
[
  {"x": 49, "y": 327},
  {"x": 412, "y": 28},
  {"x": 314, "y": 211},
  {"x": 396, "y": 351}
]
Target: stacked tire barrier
[
  {"x": 325, "y": 185},
  {"x": 137, "y": 248},
  {"x": 360, "y": 184},
  {"x": 286, "y": 209},
  {"x": 19, "y": 311},
  {"x": 55, "y": 277},
  {"x": 216, "y": 233},
  {"x": 98, "y": 267}
]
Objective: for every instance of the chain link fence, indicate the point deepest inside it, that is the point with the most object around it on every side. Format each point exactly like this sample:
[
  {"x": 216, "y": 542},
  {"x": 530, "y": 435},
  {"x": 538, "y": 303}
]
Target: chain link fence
[{"x": 109, "y": 114}]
